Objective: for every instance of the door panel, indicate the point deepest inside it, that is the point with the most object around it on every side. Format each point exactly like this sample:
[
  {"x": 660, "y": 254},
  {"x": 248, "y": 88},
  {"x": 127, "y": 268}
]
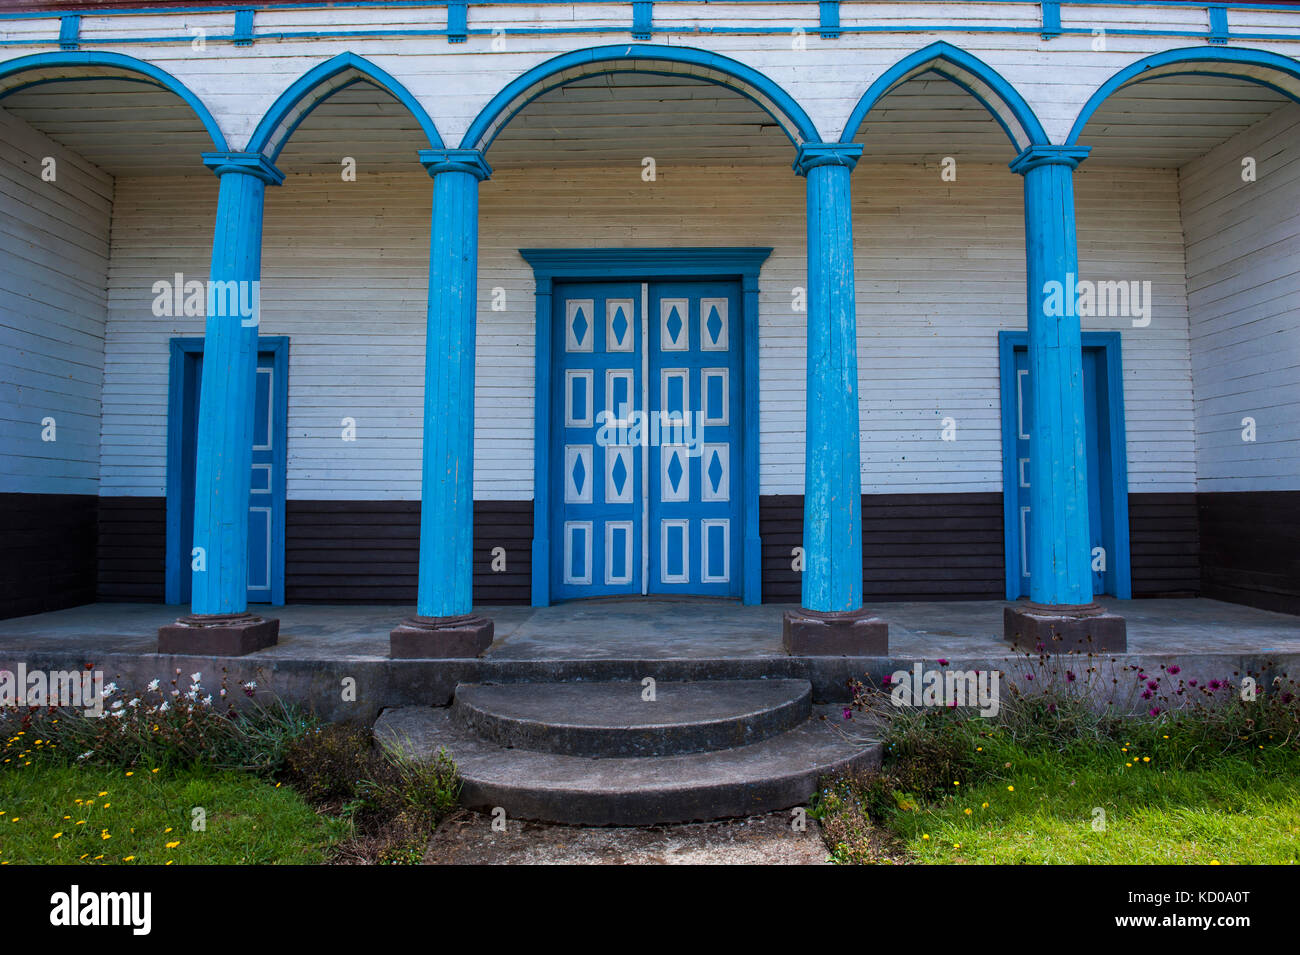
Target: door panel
[{"x": 1097, "y": 450}]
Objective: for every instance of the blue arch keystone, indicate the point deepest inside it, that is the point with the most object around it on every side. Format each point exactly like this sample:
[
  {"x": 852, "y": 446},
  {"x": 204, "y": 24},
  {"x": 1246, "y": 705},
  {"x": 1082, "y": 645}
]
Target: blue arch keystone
[
  {"x": 641, "y": 58},
  {"x": 13, "y": 77},
  {"x": 317, "y": 85},
  {"x": 1235, "y": 62},
  {"x": 987, "y": 85}
]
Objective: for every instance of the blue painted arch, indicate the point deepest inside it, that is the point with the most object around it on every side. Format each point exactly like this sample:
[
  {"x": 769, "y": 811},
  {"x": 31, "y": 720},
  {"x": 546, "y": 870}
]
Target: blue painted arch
[
  {"x": 319, "y": 84},
  {"x": 28, "y": 71},
  {"x": 1278, "y": 72},
  {"x": 990, "y": 88},
  {"x": 687, "y": 62}
]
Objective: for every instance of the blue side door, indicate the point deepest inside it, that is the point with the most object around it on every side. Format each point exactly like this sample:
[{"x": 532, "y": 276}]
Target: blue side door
[
  {"x": 645, "y": 439},
  {"x": 266, "y": 478},
  {"x": 1098, "y": 454}
]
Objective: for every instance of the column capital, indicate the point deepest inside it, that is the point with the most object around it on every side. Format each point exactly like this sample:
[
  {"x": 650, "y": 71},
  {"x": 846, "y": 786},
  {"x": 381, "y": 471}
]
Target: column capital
[
  {"x": 1035, "y": 156},
  {"x": 249, "y": 164},
  {"x": 455, "y": 160},
  {"x": 811, "y": 155}
]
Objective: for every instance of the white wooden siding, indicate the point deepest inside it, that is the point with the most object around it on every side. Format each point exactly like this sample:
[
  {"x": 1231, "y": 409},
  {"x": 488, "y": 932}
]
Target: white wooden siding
[
  {"x": 53, "y": 264},
  {"x": 1243, "y": 286},
  {"x": 940, "y": 271}
]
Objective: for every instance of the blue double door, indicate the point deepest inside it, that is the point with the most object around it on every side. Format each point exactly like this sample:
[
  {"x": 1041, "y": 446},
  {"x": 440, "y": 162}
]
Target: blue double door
[{"x": 646, "y": 439}]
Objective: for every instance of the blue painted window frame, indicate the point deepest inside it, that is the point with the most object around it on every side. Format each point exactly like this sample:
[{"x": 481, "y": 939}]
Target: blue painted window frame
[
  {"x": 1109, "y": 343},
  {"x": 177, "y": 556},
  {"x": 644, "y": 265}
]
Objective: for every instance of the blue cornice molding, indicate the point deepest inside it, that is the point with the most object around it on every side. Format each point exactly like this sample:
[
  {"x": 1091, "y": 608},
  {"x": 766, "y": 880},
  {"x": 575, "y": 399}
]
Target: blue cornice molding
[
  {"x": 437, "y": 161},
  {"x": 600, "y": 264},
  {"x": 248, "y": 164},
  {"x": 812, "y": 155},
  {"x": 1036, "y": 156}
]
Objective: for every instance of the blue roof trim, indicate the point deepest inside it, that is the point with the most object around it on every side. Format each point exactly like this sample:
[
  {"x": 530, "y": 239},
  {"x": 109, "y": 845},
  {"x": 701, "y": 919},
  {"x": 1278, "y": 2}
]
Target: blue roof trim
[
  {"x": 120, "y": 61},
  {"x": 1232, "y": 56},
  {"x": 935, "y": 55},
  {"x": 260, "y": 141},
  {"x": 612, "y": 59}
]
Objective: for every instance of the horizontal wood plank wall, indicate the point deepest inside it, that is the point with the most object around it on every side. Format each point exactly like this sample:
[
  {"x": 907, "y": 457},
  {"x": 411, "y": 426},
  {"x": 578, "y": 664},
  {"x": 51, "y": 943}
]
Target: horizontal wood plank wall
[
  {"x": 1243, "y": 281},
  {"x": 1250, "y": 548},
  {"x": 368, "y": 551},
  {"x": 132, "y": 549},
  {"x": 53, "y": 280},
  {"x": 47, "y": 552},
  {"x": 940, "y": 270}
]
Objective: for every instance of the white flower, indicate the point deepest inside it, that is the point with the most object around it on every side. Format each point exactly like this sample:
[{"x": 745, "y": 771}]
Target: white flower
[
  {"x": 164, "y": 707},
  {"x": 135, "y": 702},
  {"x": 87, "y": 754},
  {"x": 207, "y": 700},
  {"x": 175, "y": 693},
  {"x": 250, "y": 685},
  {"x": 117, "y": 704},
  {"x": 110, "y": 689},
  {"x": 117, "y": 712},
  {"x": 196, "y": 677},
  {"x": 153, "y": 685}
]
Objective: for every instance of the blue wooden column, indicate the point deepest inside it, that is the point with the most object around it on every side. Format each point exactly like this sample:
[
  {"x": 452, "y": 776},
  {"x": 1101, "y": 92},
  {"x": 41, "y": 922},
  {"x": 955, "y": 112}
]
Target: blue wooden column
[
  {"x": 226, "y": 401},
  {"x": 831, "y": 619},
  {"x": 1059, "y": 547},
  {"x": 832, "y": 529},
  {"x": 447, "y": 488},
  {"x": 219, "y": 623}
]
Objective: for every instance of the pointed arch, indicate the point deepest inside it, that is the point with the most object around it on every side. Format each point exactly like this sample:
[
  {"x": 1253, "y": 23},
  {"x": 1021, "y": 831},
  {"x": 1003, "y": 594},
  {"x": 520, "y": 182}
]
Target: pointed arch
[
  {"x": 319, "y": 84},
  {"x": 987, "y": 85},
  {"x": 1277, "y": 72},
  {"x": 28, "y": 71},
  {"x": 686, "y": 62}
]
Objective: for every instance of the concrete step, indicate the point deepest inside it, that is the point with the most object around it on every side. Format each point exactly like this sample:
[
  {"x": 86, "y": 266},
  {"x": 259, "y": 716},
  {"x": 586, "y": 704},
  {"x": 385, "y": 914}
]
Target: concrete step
[
  {"x": 612, "y": 719},
  {"x": 775, "y": 773}
]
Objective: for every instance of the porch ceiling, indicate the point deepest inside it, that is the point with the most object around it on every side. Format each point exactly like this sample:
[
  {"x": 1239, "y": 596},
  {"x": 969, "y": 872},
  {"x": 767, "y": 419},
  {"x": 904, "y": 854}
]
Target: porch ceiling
[
  {"x": 125, "y": 127},
  {"x": 1171, "y": 121}
]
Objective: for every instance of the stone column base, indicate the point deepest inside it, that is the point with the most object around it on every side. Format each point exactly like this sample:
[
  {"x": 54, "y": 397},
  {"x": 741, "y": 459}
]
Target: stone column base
[
  {"x": 465, "y": 635},
  {"x": 852, "y": 633},
  {"x": 218, "y": 634},
  {"x": 1063, "y": 628}
]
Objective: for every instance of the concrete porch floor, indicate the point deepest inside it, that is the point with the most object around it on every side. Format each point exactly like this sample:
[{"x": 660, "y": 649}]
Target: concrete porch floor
[
  {"x": 660, "y": 629},
  {"x": 324, "y": 649}
]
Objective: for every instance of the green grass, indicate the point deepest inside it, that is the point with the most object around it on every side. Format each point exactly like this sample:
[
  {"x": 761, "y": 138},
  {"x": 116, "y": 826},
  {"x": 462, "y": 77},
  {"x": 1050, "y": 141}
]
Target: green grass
[
  {"x": 248, "y": 820},
  {"x": 1042, "y": 810},
  {"x": 1033, "y": 804}
]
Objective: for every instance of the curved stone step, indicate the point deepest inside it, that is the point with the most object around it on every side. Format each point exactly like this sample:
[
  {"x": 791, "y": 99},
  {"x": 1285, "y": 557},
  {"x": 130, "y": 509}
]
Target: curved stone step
[
  {"x": 612, "y": 719},
  {"x": 776, "y": 773}
]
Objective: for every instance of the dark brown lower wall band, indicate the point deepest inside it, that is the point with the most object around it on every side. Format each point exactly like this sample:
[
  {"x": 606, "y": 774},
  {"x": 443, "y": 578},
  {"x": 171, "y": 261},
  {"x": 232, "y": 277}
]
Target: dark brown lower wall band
[
  {"x": 64, "y": 550},
  {"x": 47, "y": 552},
  {"x": 1250, "y": 548}
]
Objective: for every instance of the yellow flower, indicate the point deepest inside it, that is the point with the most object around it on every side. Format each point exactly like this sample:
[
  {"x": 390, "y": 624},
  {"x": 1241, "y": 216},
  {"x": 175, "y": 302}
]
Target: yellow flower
[
  {"x": 968, "y": 812},
  {"x": 105, "y": 835},
  {"x": 129, "y": 859},
  {"x": 104, "y": 794},
  {"x": 172, "y": 845},
  {"x": 58, "y": 835},
  {"x": 129, "y": 774},
  {"x": 153, "y": 770},
  {"x": 1214, "y": 862},
  {"x": 167, "y": 830},
  {"x": 1011, "y": 789},
  {"x": 1146, "y": 759},
  {"x": 984, "y": 805},
  {"x": 956, "y": 782},
  {"x": 926, "y": 837}
]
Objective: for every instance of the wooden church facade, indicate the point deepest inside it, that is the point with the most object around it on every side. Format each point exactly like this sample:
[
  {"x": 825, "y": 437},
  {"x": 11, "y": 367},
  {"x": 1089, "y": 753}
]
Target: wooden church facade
[{"x": 822, "y": 304}]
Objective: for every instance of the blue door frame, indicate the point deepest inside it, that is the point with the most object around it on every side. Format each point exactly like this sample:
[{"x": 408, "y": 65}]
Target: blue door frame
[
  {"x": 182, "y": 409},
  {"x": 1108, "y": 474},
  {"x": 645, "y": 265}
]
